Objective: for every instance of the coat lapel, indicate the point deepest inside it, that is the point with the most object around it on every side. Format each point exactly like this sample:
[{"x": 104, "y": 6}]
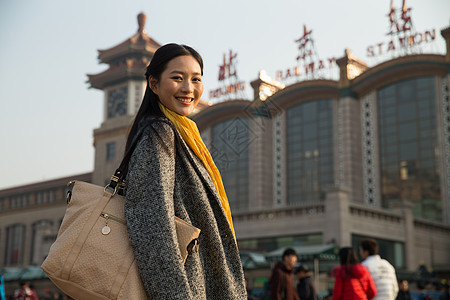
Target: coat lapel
[{"x": 199, "y": 168}]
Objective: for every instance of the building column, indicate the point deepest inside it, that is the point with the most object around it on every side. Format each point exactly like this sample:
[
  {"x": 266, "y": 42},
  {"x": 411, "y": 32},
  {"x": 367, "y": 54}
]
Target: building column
[
  {"x": 410, "y": 255},
  {"x": 28, "y": 243},
  {"x": 446, "y": 35},
  {"x": 348, "y": 128},
  {"x": 337, "y": 212},
  {"x": 260, "y": 159},
  {"x": 405, "y": 208},
  {"x": 348, "y": 142},
  {"x": 445, "y": 104},
  {"x": 265, "y": 164},
  {"x": 2, "y": 244}
]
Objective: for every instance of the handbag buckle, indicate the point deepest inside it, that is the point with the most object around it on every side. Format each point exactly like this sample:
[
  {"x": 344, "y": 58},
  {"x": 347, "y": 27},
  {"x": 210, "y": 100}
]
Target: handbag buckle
[
  {"x": 115, "y": 183},
  {"x": 193, "y": 246},
  {"x": 115, "y": 189},
  {"x": 69, "y": 191}
]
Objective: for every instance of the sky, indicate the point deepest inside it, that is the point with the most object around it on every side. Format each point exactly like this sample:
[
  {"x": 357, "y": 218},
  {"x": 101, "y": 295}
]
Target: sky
[{"x": 48, "y": 112}]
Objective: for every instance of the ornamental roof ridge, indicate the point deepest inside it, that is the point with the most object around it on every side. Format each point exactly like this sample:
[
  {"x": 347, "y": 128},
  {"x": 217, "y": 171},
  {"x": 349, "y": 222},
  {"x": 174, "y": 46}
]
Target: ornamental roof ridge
[
  {"x": 140, "y": 42},
  {"x": 131, "y": 68}
]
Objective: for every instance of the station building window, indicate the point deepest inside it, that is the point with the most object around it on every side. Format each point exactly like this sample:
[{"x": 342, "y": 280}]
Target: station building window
[
  {"x": 309, "y": 151},
  {"x": 230, "y": 150},
  {"x": 408, "y": 146},
  {"x": 110, "y": 151},
  {"x": 47, "y": 196},
  {"x": 15, "y": 239},
  {"x": 19, "y": 201},
  {"x": 41, "y": 229}
]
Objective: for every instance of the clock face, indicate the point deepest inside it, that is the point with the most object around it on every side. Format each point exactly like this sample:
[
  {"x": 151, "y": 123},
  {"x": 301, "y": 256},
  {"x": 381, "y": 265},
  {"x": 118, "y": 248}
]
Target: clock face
[{"x": 117, "y": 102}]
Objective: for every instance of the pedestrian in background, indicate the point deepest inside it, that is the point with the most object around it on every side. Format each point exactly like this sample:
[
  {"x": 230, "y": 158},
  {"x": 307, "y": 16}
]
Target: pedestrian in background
[
  {"x": 403, "y": 293},
  {"x": 25, "y": 292},
  {"x": 382, "y": 272},
  {"x": 353, "y": 281},
  {"x": 2, "y": 289},
  {"x": 446, "y": 293},
  {"x": 305, "y": 286},
  {"x": 281, "y": 281}
]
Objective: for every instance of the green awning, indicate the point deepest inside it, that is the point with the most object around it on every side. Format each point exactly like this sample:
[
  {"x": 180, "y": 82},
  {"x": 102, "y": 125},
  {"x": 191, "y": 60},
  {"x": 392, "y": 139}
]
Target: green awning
[
  {"x": 309, "y": 253},
  {"x": 32, "y": 272},
  {"x": 253, "y": 260},
  {"x": 24, "y": 273}
]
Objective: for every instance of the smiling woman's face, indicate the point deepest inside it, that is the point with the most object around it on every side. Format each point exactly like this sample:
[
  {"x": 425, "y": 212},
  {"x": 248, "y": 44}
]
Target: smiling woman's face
[{"x": 180, "y": 86}]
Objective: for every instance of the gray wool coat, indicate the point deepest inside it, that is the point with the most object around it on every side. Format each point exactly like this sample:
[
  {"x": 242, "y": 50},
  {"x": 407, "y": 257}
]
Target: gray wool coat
[{"x": 166, "y": 179}]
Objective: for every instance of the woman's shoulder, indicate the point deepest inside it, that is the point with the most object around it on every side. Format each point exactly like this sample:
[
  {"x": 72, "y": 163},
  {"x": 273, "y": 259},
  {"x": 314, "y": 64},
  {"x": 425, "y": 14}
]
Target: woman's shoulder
[
  {"x": 360, "y": 270},
  {"x": 160, "y": 126},
  {"x": 340, "y": 271},
  {"x": 356, "y": 271}
]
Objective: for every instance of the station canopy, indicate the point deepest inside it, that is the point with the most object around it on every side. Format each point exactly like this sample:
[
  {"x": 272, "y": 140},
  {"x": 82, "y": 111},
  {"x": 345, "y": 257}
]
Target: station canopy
[
  {"x": 308, "y": 253},
  {"x": 25, "y": 273}
]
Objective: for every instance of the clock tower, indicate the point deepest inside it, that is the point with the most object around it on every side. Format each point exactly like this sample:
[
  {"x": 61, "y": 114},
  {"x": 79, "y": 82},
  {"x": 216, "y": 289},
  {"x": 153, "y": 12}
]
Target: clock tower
[{"x": 124, "y": 85}]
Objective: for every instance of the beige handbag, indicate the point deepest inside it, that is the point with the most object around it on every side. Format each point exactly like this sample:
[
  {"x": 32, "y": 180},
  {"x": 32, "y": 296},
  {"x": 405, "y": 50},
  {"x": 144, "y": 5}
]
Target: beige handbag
[{"x": 92, "y": 257}]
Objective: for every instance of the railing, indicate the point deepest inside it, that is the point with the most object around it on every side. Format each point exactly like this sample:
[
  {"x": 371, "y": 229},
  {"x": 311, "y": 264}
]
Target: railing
[
  {"x": 281, "y": 212},
  {"x": 374, "y": 213}
]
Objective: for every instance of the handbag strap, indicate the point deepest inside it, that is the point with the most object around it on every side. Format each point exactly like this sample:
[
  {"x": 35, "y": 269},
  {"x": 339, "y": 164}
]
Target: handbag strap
[
  {"x": 117, "y": 179},
  {"x": 116, "y": 182}
]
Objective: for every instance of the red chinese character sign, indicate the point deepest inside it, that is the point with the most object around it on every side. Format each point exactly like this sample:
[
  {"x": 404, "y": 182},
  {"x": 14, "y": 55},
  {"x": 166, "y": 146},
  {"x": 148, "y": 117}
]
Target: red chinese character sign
[
  {"x": 306, "y": 44},
  {"x": 399, "y": 22},
  {"x": 309, "y": 65},
  {"x": 228, "y": 68},
  {"x": 230, "y": 86},
  {"x": 404, "y": 39}
]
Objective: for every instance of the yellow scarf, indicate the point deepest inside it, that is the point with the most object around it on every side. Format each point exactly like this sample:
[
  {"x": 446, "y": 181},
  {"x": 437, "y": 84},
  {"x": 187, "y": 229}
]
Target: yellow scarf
[{"x": 189, "y": 131}]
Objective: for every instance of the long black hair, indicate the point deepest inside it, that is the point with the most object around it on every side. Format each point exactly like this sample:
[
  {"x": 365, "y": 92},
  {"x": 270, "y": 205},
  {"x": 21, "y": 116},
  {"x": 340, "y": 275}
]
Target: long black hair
[
  {"x": 348, "y": 258},
  {"x": 149, "y": 105}
]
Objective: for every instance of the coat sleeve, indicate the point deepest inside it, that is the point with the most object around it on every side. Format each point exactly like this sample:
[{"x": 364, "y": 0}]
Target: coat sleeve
[
  {"x": 371, "y": 289},
  {"x": 394, "y": 279},
  {"x": 275, "y": 285},
  {"x": 312, "y": 291},
  {"x": 149, "y": 210},
  {"x": 338, "y": 288}
]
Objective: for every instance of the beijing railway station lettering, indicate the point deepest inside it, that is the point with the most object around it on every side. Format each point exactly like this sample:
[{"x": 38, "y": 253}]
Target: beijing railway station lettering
[
  {"x": 228, "y": 89},
  {"x": 227, "y": 73},
  {"x": 404, "y": 38},
  {"x": 308, "y": 64},
  {"x": 308, "y": 69},
  {"x": 401, "y": 43}
]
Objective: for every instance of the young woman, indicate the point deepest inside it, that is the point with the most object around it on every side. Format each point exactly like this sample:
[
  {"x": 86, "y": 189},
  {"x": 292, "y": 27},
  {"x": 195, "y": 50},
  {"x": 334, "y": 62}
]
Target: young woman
[
  {"x": 171, "y": 173},
  {"x": 353, "y": 281}
]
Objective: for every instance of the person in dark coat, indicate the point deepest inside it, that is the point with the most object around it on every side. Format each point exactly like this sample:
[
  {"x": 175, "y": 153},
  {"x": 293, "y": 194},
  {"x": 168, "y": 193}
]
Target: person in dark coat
[
  {"x": 446, "y": 293},
  {"x": 171, "y": 173},
  {"x": 403, "y": 292},
  {"x": 305, "y": 286},
  {"x": 281, "y": 281}
]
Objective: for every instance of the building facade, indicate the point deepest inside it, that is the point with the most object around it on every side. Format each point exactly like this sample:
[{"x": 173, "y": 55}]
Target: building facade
[
  {"x": 332, "y": 162},
  {"x": 30, "y": 216},
  {"x": 313, "y": 163}
]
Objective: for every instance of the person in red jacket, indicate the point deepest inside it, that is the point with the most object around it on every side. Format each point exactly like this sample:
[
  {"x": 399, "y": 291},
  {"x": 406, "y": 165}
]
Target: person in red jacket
[{"x": 353, "y": 280}]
